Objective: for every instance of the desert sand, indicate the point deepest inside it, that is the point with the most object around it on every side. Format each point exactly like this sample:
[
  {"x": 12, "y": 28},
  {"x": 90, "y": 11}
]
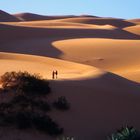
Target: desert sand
[
  {"x": 134, "y": 29},
  {"x": 98, "y": 63}
]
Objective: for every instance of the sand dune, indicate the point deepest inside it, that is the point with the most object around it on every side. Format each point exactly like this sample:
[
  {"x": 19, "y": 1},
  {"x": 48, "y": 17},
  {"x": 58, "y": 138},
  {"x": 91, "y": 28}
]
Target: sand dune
[
  {"x": 118, "y": 56},
  {"x": 95, "y": 97},
  {"x": 5, "y": 17},
  {"x": 101, "y": 101},
  {"x": 37, "y": 17},
  {"x": 59, "y": 24},
  {"x": 100, "y": 21},
  {"x": 98, "y": 52},
  {"x": 34, "y": 17},
  {"x": 136, "y": 21},
  {"x": 18, "y": 33},
  {"x": 45, "y": 66},
  {"x": 133, "y": 29},
  {"x": 99, "y": 106}
]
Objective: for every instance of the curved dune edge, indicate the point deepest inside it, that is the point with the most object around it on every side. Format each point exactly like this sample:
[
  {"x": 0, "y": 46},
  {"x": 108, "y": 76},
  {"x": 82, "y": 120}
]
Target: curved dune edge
[
  {"x": 117, "y": 56},
  {"x": 6, "y": 17},
  {"x": 99, "y": 21},
  {"x": 60, "y": 24},
  {"x": 136, "y": 21},
  {"x": 133, "y": 29},
  {"x": 45, "y": 65}
]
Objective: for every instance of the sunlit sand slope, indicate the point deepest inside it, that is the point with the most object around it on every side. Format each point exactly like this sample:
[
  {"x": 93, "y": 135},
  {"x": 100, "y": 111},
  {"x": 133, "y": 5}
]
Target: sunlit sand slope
[
  {"x": 100, "y": 21},
  {"x": 133, "y": 29},
  {"x": 45, "y": 66},
  {"x": 118, "y": 56},
  {"x": 60, "y": 24}
]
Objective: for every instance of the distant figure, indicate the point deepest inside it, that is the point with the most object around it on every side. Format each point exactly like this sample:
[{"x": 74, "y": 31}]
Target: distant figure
[
  {"x": 56, "y": 73},
  {"x": 53, "y": 75}
]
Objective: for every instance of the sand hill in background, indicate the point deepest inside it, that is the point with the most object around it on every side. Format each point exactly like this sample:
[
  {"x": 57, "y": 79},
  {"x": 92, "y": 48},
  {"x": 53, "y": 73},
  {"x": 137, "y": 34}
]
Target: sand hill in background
[{"x": 5, "y": 17}]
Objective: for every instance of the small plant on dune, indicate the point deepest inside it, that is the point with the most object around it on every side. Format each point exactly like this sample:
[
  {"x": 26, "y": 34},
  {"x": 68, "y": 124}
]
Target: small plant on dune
[
  {"x": 61, "y": 103},
  {"x": 127, "y": 133},
  {"x": 25, "y": 83}
]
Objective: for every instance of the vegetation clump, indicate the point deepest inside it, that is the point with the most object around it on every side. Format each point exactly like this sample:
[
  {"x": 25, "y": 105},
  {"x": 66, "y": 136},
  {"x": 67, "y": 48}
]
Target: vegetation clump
[
  {"x": 61, "y": 103},
  {"x": 125, "y": 133},
  {"x": 25, "y": 83},
  {"x": 27, "y": 109}
]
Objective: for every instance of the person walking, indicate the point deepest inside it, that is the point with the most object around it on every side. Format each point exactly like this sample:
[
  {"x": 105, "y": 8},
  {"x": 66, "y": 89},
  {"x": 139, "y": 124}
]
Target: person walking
[
  {"x": 53, "y": 75},
  {"x": 56, "y": 73}
]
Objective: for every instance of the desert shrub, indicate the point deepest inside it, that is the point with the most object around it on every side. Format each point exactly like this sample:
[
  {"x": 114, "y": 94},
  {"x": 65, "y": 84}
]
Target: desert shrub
[
  {"x": 23, "y": 82},
  {"x": 23, "y": 120},
  {"x": 46, "y": 124},
  {"x": 61, "y": 103},
  {"x": 27, "y": 103},
  {"x": 41, "y": 105},
  {"x": 6, "y": 107},
  {"x": 127, "y": 133}
]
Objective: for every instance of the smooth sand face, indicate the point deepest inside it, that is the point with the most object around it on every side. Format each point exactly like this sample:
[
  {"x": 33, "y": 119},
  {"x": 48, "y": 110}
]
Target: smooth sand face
[
  {"x": 133, "y": 29},
  {"x": 100, "y": 21},
  {"x": 61, "y": 24},
  {"x": 135, "y": 21},
  {"x": 101, "y": 102},
  {"x": 118, "y": 56},
  {"x": 45, "y": 66}
]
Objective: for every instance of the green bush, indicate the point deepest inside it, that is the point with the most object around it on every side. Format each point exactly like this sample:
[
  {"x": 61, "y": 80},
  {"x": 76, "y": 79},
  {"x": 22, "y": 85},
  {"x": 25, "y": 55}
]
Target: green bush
[
  {"x": 127, "y": 133},
  {"x": 61, "y": 103},
  {"x": 25, "y": 83}
]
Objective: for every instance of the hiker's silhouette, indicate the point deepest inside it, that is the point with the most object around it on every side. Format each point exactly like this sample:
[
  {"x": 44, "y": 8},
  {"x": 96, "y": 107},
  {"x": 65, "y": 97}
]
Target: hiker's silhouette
[{"x": 54, "y": 74}]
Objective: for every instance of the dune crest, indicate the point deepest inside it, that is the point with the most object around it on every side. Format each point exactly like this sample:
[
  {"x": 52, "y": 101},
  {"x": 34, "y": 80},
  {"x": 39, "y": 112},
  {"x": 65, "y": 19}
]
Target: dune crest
[
  {"x": 100, "y": 21},
  {"x": 117, "y": 56},
  {"x": 5, "y": 17},
  {"x": 133, "y": 29},
  {"x": 45, "y": 66},
  {"x": 35, "y": 17}
]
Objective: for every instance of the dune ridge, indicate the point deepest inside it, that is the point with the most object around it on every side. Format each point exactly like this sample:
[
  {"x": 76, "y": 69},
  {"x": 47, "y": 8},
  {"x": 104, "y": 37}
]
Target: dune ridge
[
  {"x": 5, "y": 17},
  {"x": 100, "y": 21},
  {"x": 45, "y": 66},
  {"x": 136, "y": 21},
  {"x": 133, "y": 29},
  {"x": 59, "y": 24},
  {"x": 117, "y": 56},
  {"x": 37, "y": 17}
]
